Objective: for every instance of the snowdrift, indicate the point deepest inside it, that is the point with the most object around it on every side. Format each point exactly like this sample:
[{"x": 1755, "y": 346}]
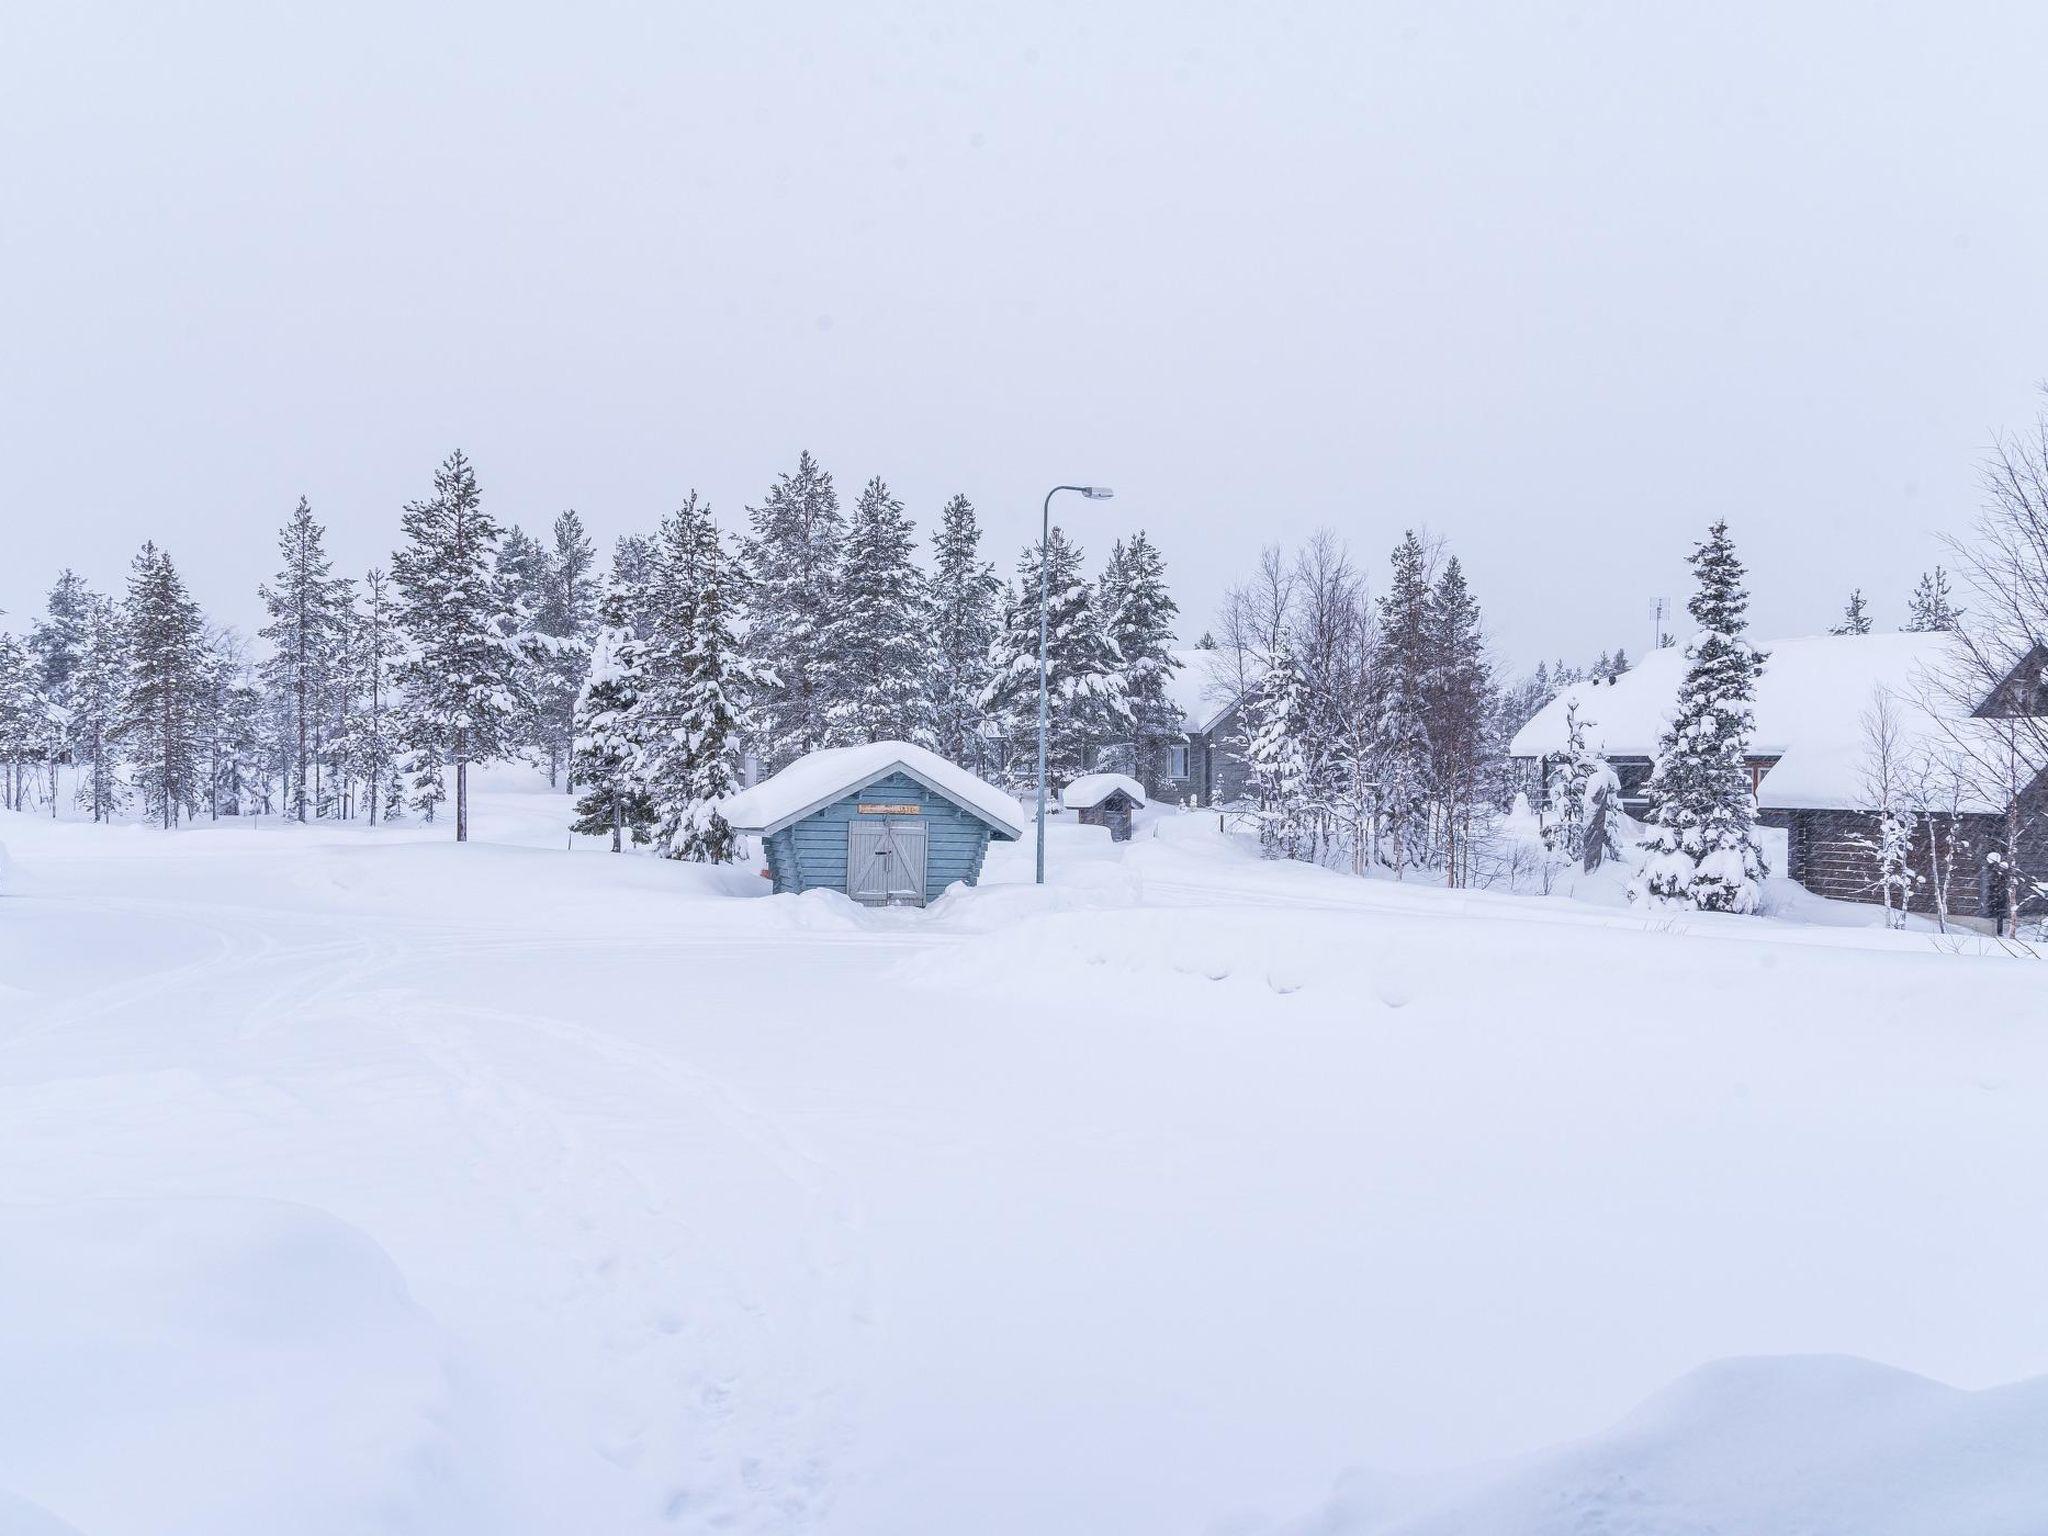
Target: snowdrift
[
  {"x": 1823, "y": 1445},
  {"x": 219, "y": 1367}
]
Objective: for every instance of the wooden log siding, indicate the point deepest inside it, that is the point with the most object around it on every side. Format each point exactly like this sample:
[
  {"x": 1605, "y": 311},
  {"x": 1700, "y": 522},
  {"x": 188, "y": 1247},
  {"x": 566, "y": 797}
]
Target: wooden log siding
[
  {"x": 812, "y": 852},
  {"x": 1833, "y": 853}
]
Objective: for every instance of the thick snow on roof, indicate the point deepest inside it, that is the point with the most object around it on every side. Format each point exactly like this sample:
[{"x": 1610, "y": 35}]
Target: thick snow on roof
[
  {"x": 1203, "y": 687},
  {"x": 1091, "y": 789},
  {"x": 1810, "y": 705},
  {"x": 819, "y": 778}
]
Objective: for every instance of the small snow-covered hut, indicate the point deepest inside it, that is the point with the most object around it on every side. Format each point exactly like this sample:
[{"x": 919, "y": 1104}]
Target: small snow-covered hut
[
  {"x": 1105, "y": 800},
  {"x": 889, "y": 823}
]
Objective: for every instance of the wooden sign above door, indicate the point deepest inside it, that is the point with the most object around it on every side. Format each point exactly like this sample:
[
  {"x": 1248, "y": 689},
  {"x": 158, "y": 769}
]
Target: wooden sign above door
[{"x": 892, "y": 810}]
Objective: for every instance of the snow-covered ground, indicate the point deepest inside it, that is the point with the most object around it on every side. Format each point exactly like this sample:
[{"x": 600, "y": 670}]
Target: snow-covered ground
[{"x": 360, "y": 1182}]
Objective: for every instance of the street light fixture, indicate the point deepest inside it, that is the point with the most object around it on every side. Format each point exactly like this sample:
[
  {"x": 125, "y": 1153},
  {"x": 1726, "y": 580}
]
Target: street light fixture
[{"x": 1093, "y": 493}]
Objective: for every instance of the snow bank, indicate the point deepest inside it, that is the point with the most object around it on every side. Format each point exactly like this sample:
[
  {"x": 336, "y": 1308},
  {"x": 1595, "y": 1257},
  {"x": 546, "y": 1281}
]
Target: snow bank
[
  {"x": 1091, "y": 789},
  {"x": 1830, "y": 1444},
  {"x": 220, "y": 1367},
  {"x": 819, "y": 778}
]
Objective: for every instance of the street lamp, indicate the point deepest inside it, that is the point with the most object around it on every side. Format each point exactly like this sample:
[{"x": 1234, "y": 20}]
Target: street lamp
[{"x": 1093, "y": 493}]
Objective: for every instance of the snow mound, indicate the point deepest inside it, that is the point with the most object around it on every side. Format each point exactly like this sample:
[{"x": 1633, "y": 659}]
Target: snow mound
[
  {"x": 1091, "y": 789},
  {"x": 217, "y": 1366},
  {"x": 819, "y": 778},
  {"x": 1828, "y": 1445}
]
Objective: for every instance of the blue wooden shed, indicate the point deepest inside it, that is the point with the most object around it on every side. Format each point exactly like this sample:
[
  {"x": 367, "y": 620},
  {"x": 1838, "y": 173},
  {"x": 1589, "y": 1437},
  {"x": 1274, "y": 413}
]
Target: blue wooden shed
[{"x": 888, "y": 824}]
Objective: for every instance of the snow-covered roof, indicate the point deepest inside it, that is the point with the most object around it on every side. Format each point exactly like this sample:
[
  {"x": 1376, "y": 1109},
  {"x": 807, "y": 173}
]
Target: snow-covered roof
[
  {"x": 1203, "y": 688},
  {"x": 1810, "y": 707},
  {"x": 819, "y": 778},
  {"x": 1091, "y": 789}
]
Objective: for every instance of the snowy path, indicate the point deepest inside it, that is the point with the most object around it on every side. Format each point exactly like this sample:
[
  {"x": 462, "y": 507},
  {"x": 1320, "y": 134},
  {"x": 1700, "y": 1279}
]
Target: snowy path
[{"x": 1147, "y": 1205}]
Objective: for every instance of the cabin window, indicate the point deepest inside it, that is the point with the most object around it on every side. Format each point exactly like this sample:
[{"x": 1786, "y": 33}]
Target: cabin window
[{"x": 1177, "y": 762}]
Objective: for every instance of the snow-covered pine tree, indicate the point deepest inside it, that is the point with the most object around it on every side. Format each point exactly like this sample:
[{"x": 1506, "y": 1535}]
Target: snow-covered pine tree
[
  {"x": 304, "y": 631},
  {"x": 99, "y": 687},
  {"x": 965, "y": 598},
  {"x": 1083, "y": 704},
  {"x": 1458, "y": 703},
  {"x": 693, "y": 700},
  {"x": 460, "y": 678},
  {"x": 1572, "y": 773},
  {"x": 1855, "y": 616},
  {"x": 163, "y": 700},
  {"x": 795, "y": 560},
  {"x": 23, "y": 722},
  {"x": 56, "y": 644},
  {"x": 564, "y": 623},
  {"x": 372, "y": 746},
  {"x": 633, "y": 565},
  {"x": 1702, "y": 847},
  {"x": 1276, "y": 722},
  {"x": 879, "y": 638},
  {"x": 240, "y": 731},
  {"x": 1138, "y": 614},
  {"x": 611, "y": 752},
  {"x": 1619, "y": 664},
  {"x": 1402, "y": 737},
  {"x": 1931, "y": 607}
]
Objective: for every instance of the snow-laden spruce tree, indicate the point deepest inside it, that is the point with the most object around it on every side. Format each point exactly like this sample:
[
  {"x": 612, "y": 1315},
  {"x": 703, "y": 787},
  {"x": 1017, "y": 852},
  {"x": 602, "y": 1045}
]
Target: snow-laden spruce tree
[
  {"x": 23, "y": 721},
  {"x": 1083, "y": 702},
  {"x": 1457, "y": 711},
  {"x": 611, "y": 752},
  {"x": 1702, "y": 848},
  {"x": 965, "y": 599},
  {"x": 1932, "y": 606},
  {"x": 1401, "y": 745},
  {"x": 795, "y": 557},
  {"x": 1855, "y": 616},
  {"x": 880, "y": 637},
  {"x": 98, "y": 688},
  {"x": 305, "y": 609},
  {"x": 370, "y": 744},
  {"x": 692, "y": 705},
  {"x": 463, "y": 703},
  {"x": 1277, "y": 767},
  {"x": 1138, "y": 615},
  {"x": 56, "y": 645},
  {"x": 162, "y": 702},
  {"x": 564, "y": 626},
  {"x": 1573, "y": 772}
]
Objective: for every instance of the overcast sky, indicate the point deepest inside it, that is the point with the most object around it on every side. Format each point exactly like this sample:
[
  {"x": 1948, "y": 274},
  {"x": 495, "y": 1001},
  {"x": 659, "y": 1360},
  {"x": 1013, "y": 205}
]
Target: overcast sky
[{"x": 1563, "y": 283}]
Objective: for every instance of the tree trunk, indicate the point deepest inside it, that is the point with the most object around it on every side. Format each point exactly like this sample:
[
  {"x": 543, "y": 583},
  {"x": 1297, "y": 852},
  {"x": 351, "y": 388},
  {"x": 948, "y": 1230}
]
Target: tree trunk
[
  {"x": 618, "y": 816},
  {"x": 461, "y": 799}
]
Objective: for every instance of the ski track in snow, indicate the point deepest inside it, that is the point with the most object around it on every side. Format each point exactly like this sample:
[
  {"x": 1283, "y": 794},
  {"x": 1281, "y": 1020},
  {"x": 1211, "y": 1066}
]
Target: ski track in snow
[{"x": 670, "y": 1292}]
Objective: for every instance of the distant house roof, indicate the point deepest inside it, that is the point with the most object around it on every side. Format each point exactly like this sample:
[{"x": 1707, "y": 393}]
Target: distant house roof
[
  {"x": 817, "y": 779},
  {"x": 1810, "y": 707},
  {"x": 1091, "y": 789},
  {"x": 1205, "y": 688}
]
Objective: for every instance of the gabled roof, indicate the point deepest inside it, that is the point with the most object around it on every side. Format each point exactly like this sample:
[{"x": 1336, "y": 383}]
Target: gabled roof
[
  {"x": 817, "y": 779},
  {"x": 1810, "y": 707},
  {"x": 2026, "y": 681},
  {"x": 1091, "y": 789}
]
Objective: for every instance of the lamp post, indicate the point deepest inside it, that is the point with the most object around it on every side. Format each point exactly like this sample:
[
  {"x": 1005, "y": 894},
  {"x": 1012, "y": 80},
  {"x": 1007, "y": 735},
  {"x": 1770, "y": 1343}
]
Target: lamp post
[{"x": 1093, "y": 493}]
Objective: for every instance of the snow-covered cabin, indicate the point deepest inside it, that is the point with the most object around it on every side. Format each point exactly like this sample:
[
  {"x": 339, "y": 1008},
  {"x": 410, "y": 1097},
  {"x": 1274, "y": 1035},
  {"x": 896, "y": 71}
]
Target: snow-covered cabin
[
  {"x": 889, "y": 823},
  {"x": 1810, "y": 754},
  {"x": 1105, "y": 800}
]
